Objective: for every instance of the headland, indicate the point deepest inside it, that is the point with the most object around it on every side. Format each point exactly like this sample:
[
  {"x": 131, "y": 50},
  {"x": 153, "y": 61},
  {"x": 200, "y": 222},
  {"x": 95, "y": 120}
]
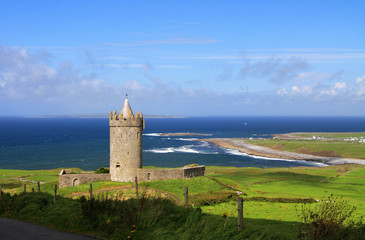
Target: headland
[{"x": 244, "y": 146}]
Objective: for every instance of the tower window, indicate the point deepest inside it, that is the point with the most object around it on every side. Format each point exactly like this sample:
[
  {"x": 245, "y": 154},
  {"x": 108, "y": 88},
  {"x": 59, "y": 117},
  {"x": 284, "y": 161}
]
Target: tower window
[
  {"x": 137, "y": 135},
  {"x": 117, "y": 165}
]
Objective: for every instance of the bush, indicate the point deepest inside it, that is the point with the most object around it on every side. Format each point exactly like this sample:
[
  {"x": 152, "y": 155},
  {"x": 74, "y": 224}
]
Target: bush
[
  {"x": 331, "y": 218},
  {"x": 102, "y": 170},
  {"x": 280, "y": 200},
  {"x": 211, "y": 198}
]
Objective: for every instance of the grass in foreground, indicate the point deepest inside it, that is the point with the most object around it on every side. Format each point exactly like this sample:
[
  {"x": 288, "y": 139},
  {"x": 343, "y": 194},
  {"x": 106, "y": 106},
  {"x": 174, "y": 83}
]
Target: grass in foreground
[
  {"x": 152, "y": 218},
  {"x": 271, "y": 195}
]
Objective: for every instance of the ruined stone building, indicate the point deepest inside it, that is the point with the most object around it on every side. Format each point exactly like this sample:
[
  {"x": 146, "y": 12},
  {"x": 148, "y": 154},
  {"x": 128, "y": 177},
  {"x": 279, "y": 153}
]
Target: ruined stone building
[
  {"x": 125, "y": 144},
  {"x": 126, "y": 155}
]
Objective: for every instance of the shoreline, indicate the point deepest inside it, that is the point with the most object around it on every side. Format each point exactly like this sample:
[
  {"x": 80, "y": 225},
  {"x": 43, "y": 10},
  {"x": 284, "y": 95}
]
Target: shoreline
[
  {"x": 255, "y": 150},
  {"x": 183, "y": 134}
]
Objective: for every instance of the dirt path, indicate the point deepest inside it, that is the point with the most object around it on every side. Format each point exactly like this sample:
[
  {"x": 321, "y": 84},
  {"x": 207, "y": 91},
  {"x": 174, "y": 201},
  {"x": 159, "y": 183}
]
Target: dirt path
[
  {"x": 11, "y": 229},
  {"x": 176, "y": 198}
]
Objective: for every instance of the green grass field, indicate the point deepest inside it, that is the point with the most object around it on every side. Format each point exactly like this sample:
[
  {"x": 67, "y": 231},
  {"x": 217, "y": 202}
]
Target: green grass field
[
  {"x": 271, "y": 195},
  {"x": 318, "y": 148},
  {"x": 331, "y": 134}
]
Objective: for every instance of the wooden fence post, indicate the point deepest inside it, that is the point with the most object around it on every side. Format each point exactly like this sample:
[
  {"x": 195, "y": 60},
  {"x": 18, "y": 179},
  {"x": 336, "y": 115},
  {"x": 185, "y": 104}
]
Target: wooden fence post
[
  {"x": 91, "y": 191},
  {"x": 1, "y": 191},
  {"x": 39, "y": 186},
  {"x": 240, "y": 213},
  {"x": 186, "y": 194},
  {"x": 136, "y": 183},
  {"x": 55, "y": 193},
  {"x": 25, "y": 188},
  {"x": 32, "y": 189}
]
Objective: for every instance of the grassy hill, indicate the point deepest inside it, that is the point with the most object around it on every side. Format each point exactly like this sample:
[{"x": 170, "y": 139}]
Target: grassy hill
[{"x": 272, "y": 197}]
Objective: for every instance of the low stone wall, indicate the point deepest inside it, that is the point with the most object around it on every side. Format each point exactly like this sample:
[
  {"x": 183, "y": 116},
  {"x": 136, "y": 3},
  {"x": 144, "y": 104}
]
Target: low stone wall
[
  {"x": 66, "y": 179},
  {"x": 170, "y": 173},
  {"x": 194, "y": 171},
  {"x": 69, "y": 180}
]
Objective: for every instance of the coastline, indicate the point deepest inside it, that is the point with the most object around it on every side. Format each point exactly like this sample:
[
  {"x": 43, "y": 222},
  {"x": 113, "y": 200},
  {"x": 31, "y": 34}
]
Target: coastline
[
  {"x": 250, "y": 149},
  {"x": 183, "y": 134}
]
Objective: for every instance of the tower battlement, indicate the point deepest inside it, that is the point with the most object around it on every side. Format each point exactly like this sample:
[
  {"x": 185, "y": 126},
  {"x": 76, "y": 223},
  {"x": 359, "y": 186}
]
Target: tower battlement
[
  {"x": 125, "y": 143},
  {"x": 120, "y": 120}
]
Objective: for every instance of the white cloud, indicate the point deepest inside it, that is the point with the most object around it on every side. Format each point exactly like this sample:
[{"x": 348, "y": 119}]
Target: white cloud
[
  {"x": 304, "y": 90},
  {"x": 282, "y": 91},
  {"x": 25, "y": 77},
  {"x": 276, "y": 70},
  {"x": 122, "y": 65},
  {"x": 167, "y": 41},
  {"x": 360, "y": 80},
  {"x": 173, "y": 66},
  {"x": 308, "y": 55},
  {"x": 360, "y": 86},
  {"x": 317, "y": 77},
  {"x": 335, "y": 90},
  {"x": 340, "y": 85}
]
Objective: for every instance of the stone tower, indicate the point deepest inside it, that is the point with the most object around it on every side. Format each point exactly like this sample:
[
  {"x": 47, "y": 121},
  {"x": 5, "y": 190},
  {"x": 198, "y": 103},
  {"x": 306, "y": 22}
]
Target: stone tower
[{"x": 125, "y": 143}]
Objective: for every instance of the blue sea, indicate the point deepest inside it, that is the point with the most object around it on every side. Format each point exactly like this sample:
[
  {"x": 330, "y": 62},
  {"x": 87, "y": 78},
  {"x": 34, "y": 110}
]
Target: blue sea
[{"x": 48, "y": 143}]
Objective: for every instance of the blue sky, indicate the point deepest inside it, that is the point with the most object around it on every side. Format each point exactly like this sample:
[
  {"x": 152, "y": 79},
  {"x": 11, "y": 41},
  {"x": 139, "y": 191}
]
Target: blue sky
[{"x": 186, "y": 58}]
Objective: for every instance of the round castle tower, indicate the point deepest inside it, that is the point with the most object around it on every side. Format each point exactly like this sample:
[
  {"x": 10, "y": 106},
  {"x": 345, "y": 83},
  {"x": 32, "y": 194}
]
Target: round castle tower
[{"x": 125, "y": 143}]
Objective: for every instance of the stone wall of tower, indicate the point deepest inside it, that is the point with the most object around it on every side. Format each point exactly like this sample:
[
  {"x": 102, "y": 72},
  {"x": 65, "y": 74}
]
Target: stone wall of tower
[{"x": 125, "y": 146}]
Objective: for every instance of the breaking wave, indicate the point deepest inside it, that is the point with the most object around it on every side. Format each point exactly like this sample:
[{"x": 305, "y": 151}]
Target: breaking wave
[
  {"x": 152, "y": 134},
  {"x": 238, "y": 153},
  {"x": 186, "y": 139},
  {"x": 182, "y": 149}
]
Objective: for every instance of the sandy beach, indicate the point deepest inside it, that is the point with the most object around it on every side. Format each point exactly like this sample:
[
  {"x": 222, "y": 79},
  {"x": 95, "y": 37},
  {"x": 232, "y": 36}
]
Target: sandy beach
[{"x": 250, "y": 149}]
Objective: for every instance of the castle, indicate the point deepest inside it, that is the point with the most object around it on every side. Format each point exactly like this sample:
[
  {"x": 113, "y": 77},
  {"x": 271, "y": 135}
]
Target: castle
[
  {"x": 126, "y": 155},
  {"x": 125, "y": 143}
]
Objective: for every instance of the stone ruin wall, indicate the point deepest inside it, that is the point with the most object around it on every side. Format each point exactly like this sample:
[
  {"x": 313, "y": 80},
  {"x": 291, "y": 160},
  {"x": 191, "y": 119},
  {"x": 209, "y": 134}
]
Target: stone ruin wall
[
  {"x": 66, "y": 179},
  {"x": 170, "y": 173}
]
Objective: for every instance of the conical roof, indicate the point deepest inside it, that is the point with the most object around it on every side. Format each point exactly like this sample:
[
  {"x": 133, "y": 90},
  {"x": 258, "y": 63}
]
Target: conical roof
[{"x": 126, "y": 109}]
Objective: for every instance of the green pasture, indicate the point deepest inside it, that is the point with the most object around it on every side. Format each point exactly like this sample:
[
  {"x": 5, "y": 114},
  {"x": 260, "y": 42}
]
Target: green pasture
[
  {"x": 271, "y": 196},
  {"x": 331, "y": 134},
  {"x": 321, "y": 148}
]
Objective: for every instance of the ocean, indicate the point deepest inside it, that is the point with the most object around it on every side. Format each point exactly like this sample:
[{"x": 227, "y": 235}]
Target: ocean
[{"x": 48, "y": 143}]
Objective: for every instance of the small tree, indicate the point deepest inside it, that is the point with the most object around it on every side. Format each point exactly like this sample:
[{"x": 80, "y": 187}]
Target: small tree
[{"x": 331, "y": 218}]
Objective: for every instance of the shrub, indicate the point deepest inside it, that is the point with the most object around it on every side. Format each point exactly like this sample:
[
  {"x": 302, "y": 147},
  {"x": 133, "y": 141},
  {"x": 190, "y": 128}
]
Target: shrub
[
  {"x": 211, "y": 198},
  {"x": 280, "y": 200},
  {"x": 331, "y": 218},
  {"x": 102, "y": 170}
]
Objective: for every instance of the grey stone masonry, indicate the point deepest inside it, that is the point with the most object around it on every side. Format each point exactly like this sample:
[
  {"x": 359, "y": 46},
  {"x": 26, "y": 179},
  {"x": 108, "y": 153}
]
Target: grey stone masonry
[
  {"x": 70, "y": 180},
  {"x": 125, "y": 144},
  {"x": 170, "y": 173}
]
